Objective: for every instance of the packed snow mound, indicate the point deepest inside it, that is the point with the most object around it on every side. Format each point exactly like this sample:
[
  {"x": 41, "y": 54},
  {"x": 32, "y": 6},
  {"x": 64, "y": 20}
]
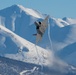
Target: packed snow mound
[{"x": 43, "y": 56}]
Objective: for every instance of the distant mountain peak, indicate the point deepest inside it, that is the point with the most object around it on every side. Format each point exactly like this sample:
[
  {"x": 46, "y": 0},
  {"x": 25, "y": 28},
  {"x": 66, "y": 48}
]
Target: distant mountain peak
[
  {"x": 20, "y": 8},
  {"x": 65, "y": 18},
  {"x": 70, "y": 20},
  {"x": 29, "y": 11}
]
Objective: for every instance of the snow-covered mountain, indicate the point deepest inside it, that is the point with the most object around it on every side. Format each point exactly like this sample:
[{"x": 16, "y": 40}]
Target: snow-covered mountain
[
  {"x": 70, "y": 20},
  {"x": 13, "y": 67},
  {"x": 17, "y": 42},
  {"x": 25, "y": 50},
  {"x": 27, "y": 53}
]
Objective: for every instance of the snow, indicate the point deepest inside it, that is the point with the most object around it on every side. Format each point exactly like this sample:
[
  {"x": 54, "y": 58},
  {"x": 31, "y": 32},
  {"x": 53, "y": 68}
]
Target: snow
[
  {"x": 2, "y": 20},
  {"x": 27, "y": 72},
  {"x": 30, "y": 56},
  {"x": 63, "y": 22},
  {"x": 70, "y": 20},
  {"x": 13, "y": 22},
  {"x": 70, "y": 58},
  {"x": 62, "y": 32},
  {"x": 59, "y": 22},
  {"x": 30, "y": 12}
]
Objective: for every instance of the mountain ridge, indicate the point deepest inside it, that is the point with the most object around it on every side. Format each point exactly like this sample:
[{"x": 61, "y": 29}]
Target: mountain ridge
[
  {"x": 26, "y": 48},
  {"x": 62, "y": 32}
]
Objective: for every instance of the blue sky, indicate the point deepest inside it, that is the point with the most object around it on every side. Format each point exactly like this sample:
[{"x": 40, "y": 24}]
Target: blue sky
[{"x": 55, "y": 8}]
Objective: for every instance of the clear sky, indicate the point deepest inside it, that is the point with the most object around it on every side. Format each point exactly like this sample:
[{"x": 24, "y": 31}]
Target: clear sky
[{"x": 55, "y": 8}]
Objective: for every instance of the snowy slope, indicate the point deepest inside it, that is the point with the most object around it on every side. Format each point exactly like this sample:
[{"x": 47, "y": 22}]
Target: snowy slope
[
  {"x": 30, "y": 12},
  {"x": 58, "y": 22},
  {"x": 35, "y": 54},
  {"x": 68, "y": 54},
  {"x": 13, "y": 67},
  {"x": 64, "y": 43},
  {"x": 70, "y": 20},
  {"x": 21, "y": 20}
]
